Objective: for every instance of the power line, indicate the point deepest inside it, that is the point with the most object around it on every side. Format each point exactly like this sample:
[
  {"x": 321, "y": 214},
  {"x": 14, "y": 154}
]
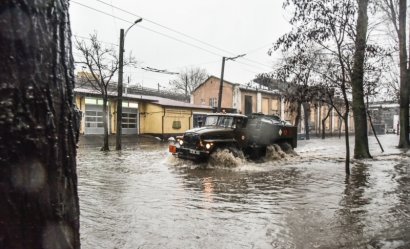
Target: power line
[
  {"x": 165, "y": 27},
  {"x": 155, "y": 70},
  {"x": 180, "y": 33},
  {"x": 140, "y": 26},
  {"x": 170, "y": 37}
]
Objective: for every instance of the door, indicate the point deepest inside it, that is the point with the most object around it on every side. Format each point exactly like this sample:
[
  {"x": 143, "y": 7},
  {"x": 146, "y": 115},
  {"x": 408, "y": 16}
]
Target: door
[
  {"x": 94, "y": 119},
  {"x": 248, "y": 105},
  {"x": 129, "y": 121},
  {"x": 265, "y": 106}
]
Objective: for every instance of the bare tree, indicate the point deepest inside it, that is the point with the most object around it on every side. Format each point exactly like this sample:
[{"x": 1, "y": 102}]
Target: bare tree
[
  {"x": 102, "y": 64},
  {"x": 38, "y": 179},
  {"x": 396, "y": 11},
  {"x": 331, "y": 24},
  {"x": 361, "y": 148},
  {"x": 297, "y": 68},
  {"x": 189, "y": 79}
]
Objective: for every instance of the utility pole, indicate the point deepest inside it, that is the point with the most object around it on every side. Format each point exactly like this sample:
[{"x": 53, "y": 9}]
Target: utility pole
[
  {"x": 222, "y": 78},
  {"x": 119, "y": 89},
  {"x": 119, "y": 96},
  {"x": 186, "y": 86},
  {"x": 221, "y": 85}
]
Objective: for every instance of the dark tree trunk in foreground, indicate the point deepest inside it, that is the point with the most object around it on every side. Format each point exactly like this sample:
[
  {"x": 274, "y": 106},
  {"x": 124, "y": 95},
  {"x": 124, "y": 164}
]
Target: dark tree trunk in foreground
[
  {"x": 361, "y": 148},
  {"x": 38, "y": 182},
  {"x": 404, "y": 91}
]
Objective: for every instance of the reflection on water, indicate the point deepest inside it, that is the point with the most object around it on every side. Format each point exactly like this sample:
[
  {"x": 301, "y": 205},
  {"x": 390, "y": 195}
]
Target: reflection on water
[{"x": 142, "y": 198}]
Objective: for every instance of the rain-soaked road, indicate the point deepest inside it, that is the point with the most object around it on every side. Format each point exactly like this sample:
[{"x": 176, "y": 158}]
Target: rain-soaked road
[{"x": 142, "y": 198}]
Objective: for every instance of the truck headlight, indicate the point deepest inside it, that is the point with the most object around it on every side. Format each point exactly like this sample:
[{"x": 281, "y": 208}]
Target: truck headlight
[
  {"x": 181, "y": 142},
  {"x": 208, "y": 146}
]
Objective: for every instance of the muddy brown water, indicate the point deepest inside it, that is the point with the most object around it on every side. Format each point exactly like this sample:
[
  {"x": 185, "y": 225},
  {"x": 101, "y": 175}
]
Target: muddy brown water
[{"x": 144, "y": 198}]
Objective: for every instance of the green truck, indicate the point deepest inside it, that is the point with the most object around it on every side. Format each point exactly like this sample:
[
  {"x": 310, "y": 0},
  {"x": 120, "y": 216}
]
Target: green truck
[{"x": 240, "y": 134}]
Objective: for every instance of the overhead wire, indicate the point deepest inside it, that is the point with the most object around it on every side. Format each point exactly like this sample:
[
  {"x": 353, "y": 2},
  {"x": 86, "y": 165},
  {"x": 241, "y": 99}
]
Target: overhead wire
[
  {"x": 181, "y": 33},
  {"x": 168, "y": 36},
  {"x": 151, "y": 30}
]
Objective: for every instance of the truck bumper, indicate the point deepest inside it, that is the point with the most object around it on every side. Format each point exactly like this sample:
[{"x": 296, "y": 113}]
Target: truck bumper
[{"x": 186, "y": 153}]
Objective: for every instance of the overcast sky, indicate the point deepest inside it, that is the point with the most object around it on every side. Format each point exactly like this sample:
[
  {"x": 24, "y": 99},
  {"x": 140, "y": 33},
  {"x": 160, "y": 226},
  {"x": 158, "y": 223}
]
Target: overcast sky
[{"x": 207, "y": 30}]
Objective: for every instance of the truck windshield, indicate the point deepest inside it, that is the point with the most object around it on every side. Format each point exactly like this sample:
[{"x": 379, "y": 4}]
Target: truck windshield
[
  {"x": 211, "y": 120},
  {"x": 223, "y": 121}
]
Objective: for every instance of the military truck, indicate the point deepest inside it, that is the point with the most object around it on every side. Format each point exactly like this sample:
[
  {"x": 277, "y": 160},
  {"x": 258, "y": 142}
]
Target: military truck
[{"x": 240, "y": 134}]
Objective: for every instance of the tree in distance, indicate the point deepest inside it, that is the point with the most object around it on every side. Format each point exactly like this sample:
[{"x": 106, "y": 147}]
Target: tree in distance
[{"x": 189, "y": 79}]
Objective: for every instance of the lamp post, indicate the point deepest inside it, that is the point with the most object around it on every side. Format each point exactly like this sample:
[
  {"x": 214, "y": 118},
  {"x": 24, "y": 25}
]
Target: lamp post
[
  {"x": 119, "y": 91},
  {"x": 222, "y": 78}
]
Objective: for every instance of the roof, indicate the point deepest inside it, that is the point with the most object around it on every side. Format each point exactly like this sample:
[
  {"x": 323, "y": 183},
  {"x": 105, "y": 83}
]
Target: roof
[
  {"x": 226, "y": 114},
  {"x": 245, "y": 88},
  {"x": 145, "y": 98},
  {"x": 212, "y": 76}
]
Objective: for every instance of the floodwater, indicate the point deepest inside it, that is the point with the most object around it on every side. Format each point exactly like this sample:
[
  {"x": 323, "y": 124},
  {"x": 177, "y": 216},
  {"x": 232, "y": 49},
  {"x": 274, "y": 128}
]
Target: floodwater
[{"x": 144, "y": 198}]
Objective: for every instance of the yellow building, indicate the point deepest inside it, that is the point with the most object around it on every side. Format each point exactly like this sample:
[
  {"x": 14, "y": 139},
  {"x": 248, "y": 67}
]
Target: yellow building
[{"x": 142, "y": 114}]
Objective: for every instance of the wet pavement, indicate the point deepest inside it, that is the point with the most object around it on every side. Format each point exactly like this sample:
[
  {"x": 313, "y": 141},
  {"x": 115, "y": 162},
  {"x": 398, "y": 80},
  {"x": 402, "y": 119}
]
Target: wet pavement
[{"x": 142, "y": 197}]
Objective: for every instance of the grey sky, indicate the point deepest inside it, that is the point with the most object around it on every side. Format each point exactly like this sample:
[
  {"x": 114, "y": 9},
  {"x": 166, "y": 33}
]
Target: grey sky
[{"x": 235, "y": 26}]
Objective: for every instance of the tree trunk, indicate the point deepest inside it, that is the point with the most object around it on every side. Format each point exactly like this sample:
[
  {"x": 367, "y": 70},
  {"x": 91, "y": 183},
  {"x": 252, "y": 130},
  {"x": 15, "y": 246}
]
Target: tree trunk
[
  {"x": 324, "y": 122},
  {"x": 298, "y": 114},
  {"x": 361, "y": 149},
  {"x": 347, "y": 158},
  {"x": 105, "y": 146},
  {"x": 38, "y": 181},
  {"x": 306, "y": 110},
  {"x": 404, "y": 91}
]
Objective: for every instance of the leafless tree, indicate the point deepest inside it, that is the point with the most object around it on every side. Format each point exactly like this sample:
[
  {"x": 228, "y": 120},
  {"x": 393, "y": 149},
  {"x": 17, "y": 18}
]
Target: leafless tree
[
  {"x": 396, "y": 11},
  {"x": 188, "y": 79},
  {"x": 102, "y": 64}
]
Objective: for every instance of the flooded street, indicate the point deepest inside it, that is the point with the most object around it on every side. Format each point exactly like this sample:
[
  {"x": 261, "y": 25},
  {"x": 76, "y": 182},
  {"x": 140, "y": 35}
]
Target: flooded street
[{"x": 143, "y": 198}]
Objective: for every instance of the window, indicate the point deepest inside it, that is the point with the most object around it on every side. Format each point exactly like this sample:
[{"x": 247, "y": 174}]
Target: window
[
  {"x": 129, "y": 104},
  {"x": 91, "y": 101},
  {"x": 129, "y": 120},
  {"x": 211, "y": 120},
  {"x": 225, "y": 121},
  {"x": 94, "y": 101},
  {"x": 213, "y": 102},
  {"x": 94, "y": 119}
]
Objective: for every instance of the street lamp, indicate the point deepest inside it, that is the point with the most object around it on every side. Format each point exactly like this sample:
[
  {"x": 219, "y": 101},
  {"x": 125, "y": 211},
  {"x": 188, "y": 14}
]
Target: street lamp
[
  {"x": 222, "y": 78},
  {"x": 119, "y": 94}
]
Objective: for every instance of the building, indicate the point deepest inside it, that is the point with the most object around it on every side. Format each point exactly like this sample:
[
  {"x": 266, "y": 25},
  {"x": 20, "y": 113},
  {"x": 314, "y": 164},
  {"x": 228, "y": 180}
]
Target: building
[
  {"x": 142, "y": 114},
  {"x": 237, "y": 98},
  {"x": 245, "y": 99}
]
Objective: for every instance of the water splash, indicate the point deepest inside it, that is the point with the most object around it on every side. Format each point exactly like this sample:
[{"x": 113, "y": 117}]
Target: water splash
[
  {"x": 274, "y": 152},
  {"x": 226, "y": 158}
]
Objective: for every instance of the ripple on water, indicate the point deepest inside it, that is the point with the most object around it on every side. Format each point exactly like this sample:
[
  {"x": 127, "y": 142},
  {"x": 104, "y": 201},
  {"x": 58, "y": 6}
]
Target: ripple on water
[{"x": 144, "y": 198}]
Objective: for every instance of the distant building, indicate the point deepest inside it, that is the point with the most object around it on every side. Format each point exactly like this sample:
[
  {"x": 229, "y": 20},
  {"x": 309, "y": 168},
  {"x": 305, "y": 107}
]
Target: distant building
[
  {"x": 385, "y": 115},
  {"x": 237, "y": 98},
  {"x": 250, "y": 99}
]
